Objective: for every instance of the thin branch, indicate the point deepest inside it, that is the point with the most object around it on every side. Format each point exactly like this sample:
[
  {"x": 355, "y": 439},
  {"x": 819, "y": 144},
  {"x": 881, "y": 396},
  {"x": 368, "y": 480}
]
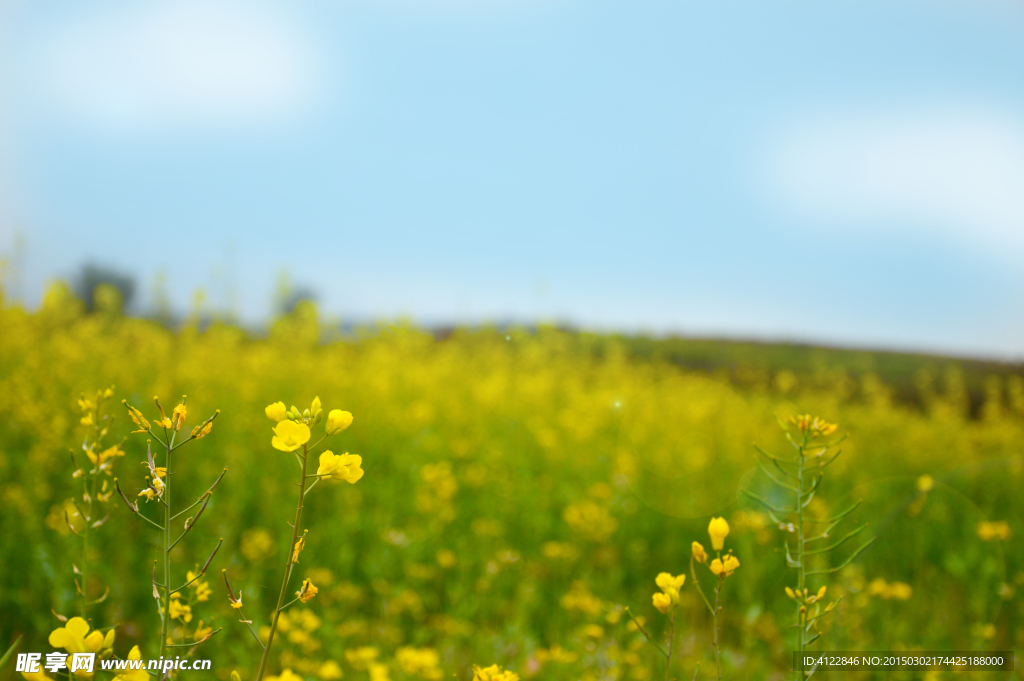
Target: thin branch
[
  {"x": 205, "y": 494},
  {"x": 839, "y": 543},
  {"x": 696, "y": 583},
  {"x": 778, "y": 482},
  {"x": 840, "y": 516},
  {"x": 644, "y": 632},
  {"x": 194, "y": 643},
  {"x": 846, "y": 562},
  {"x": 203, "y": 571},
  {"x": 764, "y": 503},
  {"x": 835, "y": 456},
  {"x": 188, "y": 527}
]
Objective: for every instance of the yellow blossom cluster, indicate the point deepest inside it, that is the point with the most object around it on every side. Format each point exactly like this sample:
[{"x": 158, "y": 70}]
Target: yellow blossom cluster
[
  {"x": 721, "y": 566},
  {"x": 998, "y": 530},
  {"x": 493, "y": 673},
  {"x": 669, "y": 594},
  {"x": 897, "y": 591}
]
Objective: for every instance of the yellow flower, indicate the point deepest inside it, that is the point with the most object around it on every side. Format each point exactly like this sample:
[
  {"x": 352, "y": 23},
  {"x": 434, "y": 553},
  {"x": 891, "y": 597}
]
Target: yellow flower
[
  {"x": 699, "y": 554},
  {"x": 156, "y": 486},
  {"x": 446, "y": 558},
  {"x": 202, "y": 431},
  {"x": 72, "y": 637},
  {"x": 164, "y": 422},
  {"x": 307, "y": 591},
  {"x": 813, "y": 426},
  {"x": 178, "y": 417},
  {"x": 276, "y": 412},
  {"x": 286, "y": 675},
  {"x": 662, "y": 602},
  {"x": 177, "y": 610},
  {"x": 359, "y": 658},
  {"x": 236, "y": 603},
  {"x": 718, "y": 529},
  {"x": 105, "y": 455},
  {"x": 315, "y": 406},
  {"x": 201, "y": 587},
  {"x": 297, "y": 549},
  {"x": 790, "y": 593},
  {"x": 135, "y": 674},
  {"x": 670, "y": 585},
  {"x": 137, "y": 417},
  {"x": 493, "y": 673},
  {"x": 329, "y": 670},
  {"x": 344, "y": 467},
  {"x": 289, "y": 436},
  {"x": 991, "y": 531},
  {"x": 202, "y": 631},
  {"x": 726, "y": 567},
  {"x": 337, "y": 421}
]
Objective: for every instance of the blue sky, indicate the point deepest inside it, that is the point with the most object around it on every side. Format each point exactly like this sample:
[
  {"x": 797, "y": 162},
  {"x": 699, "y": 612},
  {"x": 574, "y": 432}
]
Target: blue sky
[{"x": 848, "y": 172}]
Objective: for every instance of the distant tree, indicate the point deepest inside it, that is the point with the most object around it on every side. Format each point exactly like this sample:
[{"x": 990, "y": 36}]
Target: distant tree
[
  {"x": 288, "y": 295},
  {"x": 299, "y": 295},
  {"x": 92, "y": 276}
]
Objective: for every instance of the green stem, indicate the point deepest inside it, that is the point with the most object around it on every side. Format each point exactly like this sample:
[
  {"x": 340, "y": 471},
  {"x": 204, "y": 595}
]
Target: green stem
[
  {"x": 671, "y": 638},
  {"x": 165, "y": 618},
  {"x": 288, "y": 604},
  {"x": 288, "y": 566},
  {"x": 714, "y": 623},
  {"x": 800, "y": 556},
  {"x": 696, "y": 583}
]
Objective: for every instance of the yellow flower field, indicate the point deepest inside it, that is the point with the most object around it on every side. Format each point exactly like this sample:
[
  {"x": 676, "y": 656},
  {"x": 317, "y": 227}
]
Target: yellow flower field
[{"x": 489, "y": 502}]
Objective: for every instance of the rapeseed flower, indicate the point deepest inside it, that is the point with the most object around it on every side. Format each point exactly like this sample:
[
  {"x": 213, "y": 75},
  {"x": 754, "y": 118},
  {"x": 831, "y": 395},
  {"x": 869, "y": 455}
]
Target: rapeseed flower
[
  {"x": 178, "y": 610},
  {"x": 276, "y": 412},
  {"x": 662, "y": 601},
  {"x": 493, "y": 673},
  {"x": 724, "y": 567},
  {"x": 74, "y": 637},
  {"x": 337, "y": 421},
  {"x": 289, "y": 436},
  {"x": 718, "y": 529},
  {"x": 345, "y": 467},
  {"x": 307, "y": 591},
  {"x": 134, "y": 674},
  {"x": 670, "y": 585}
]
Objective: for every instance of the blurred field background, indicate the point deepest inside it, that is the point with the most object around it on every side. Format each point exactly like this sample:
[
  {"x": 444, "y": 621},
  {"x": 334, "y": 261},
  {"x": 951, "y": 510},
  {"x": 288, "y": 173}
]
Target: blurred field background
[{"x": 522, "y": 486}]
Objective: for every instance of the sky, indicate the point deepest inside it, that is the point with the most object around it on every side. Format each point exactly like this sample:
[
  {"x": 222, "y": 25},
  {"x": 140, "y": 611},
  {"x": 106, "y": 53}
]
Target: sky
[{"x": 848, "y": 173}]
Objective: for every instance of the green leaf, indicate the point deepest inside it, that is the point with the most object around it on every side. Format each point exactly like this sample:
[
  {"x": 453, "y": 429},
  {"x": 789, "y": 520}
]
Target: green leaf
[{"x": 10, "y": 653}]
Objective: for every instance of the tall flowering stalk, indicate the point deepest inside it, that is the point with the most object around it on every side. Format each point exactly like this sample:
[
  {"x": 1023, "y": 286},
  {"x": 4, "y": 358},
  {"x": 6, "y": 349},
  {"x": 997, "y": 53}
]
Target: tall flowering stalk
[
  {"x": 667, "y": 602},
  {"x": 96, "y": 490},
  {"x": 721, "y": 567},
  {"x": 169, "y": 600},
  {"x": 801, "y": 477},
  {"x": 80, "y": 515},
  {"x": 292, "y": 434}
]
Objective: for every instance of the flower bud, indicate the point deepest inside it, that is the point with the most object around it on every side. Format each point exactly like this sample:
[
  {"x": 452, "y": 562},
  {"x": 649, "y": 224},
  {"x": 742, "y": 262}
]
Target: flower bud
[
  {"x": 276, "y": 412},
  {"x": 337, "y": 421}
]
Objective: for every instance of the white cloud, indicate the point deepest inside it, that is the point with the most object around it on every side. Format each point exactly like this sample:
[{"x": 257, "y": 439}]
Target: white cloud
[
  {"x": 177, "y": 64},
  {"x": 949, "y": 170}
]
